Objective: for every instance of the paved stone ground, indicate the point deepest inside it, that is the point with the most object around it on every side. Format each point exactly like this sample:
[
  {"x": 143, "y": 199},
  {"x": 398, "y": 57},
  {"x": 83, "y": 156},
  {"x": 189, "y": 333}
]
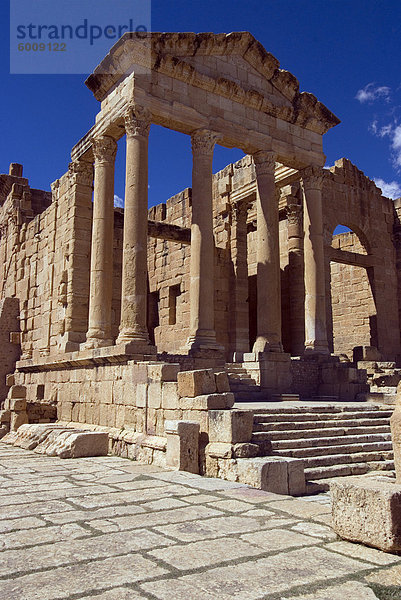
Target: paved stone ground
[{"x": 110, "y": 529}]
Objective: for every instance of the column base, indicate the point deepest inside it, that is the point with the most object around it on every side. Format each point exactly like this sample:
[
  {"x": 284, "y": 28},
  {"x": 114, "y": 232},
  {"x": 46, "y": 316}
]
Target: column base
[
  {"x": 316, "y": 347},
  {"x": 130, "y": 336},
  {"x": 198, "y": 345},
  {"x": 93, "y": 342},
  {"x": 267, "y": 344}
]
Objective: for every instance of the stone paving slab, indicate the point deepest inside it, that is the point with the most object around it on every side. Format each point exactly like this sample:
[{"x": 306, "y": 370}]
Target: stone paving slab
[{"x": 110, "y": 529}]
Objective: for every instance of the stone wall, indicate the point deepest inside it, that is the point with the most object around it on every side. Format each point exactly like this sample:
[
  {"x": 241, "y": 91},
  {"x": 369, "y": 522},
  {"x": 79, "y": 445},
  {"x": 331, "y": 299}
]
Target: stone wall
[{"x": 354, "y": 315}]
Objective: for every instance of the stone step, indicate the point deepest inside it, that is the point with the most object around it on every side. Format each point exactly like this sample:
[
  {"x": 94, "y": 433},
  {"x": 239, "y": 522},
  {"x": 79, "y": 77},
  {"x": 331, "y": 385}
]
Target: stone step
[
  {"x": 290, "y": 425},
  {"x": 242, "y": 382},
  {"x": 286, "y": 397},
  {"x": 337, "y": 459},
  {"x": 309, "y": 451},
  {"x": 324, "y": 441},
  {"x": 317, "y": 473},
  {"x": 294, "y": 434},
  {"x": 250, "y": 395},
  {"x": 277, "y": 415},
  {"x": 336, "y": 471}
]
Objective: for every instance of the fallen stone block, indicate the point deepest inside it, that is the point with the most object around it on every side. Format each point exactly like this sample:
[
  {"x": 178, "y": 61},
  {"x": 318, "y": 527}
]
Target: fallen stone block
[
  {"x": 75, "y": 444},
  {"x": 28, "y": 436},
  {"x": 368, "y": 511},
  {"x": 58, "y": 440},
  {"x": 196, "y": 383}
]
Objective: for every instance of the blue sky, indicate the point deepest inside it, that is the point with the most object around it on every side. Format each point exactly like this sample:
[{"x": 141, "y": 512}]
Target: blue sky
[{"x": 345, "y": 52}]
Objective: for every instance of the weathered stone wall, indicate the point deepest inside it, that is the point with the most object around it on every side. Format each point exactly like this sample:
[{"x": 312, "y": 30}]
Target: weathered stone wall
[
  {"x": 352, "y": 199},
  {"x": 354, "y": 314}
]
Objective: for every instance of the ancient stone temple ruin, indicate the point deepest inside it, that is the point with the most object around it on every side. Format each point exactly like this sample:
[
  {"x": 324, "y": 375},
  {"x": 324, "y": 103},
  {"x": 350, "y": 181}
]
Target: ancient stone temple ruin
[{"x": 151, "y": 324}]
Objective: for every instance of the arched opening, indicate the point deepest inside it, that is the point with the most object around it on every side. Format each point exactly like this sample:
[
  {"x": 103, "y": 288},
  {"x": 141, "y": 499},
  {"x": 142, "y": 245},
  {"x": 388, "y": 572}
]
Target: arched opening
[{"x": 353, "y": 315}]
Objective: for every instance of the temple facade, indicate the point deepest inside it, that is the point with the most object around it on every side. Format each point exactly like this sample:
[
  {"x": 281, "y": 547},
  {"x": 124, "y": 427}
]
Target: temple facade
[{"x": 103, "y": 308}]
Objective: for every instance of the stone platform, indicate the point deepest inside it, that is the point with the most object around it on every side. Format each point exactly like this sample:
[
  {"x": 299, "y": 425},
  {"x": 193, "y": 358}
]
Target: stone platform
[{"x": 106, "y": 528}]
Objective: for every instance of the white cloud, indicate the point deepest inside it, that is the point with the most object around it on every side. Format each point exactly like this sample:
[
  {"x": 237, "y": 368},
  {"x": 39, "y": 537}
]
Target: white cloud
[
  {"x": 118, "y": 202},
  {"x": 396, "y": 145},
  {"x": 392, "y": 131},
  {"x": 370, "y": 93},
  {"x": 390, "y": 189}
]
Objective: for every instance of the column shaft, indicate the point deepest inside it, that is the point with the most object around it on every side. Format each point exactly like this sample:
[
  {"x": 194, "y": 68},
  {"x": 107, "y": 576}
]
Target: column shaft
[
  {"x": 268, "y": 257},
  {"x": 101, "y": 276},
  {"x": 202, "y": 332},
  {"x": 296, "y": 286},
  {"x": 133, "y": 325},
  {"x": 239, "y": 310},
  {"x": 315, "y": 292}
]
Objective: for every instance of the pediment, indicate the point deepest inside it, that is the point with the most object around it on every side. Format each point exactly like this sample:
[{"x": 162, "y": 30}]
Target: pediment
[{"x": 233, "y": 65}]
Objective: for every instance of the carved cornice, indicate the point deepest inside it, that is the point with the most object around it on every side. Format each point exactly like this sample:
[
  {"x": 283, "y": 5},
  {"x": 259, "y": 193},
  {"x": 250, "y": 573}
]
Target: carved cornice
[
  {"x": 203, "y": 142},
  {"x": 137, "y": 121},
  {"x": 312, "y": 178},
  {"x": 265, "y": 162},
  {"x": 104, "y": 149},
  {"x": 81, "y": 172},
  {"x": 168, "y": 56}
]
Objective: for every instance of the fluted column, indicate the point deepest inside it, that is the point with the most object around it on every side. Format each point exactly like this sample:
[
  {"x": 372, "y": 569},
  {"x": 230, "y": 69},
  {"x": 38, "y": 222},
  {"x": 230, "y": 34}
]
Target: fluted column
[
  {"x": 296, "y": 287},
  {"x": 239, "y": 310},
  {"x": 101, "y": 275},
  {"x": 202, "y": 332},
  {"x": 315, "y": 292},
  {"x": 268, "y": 337},
  {"x": 133, "y": 325}
]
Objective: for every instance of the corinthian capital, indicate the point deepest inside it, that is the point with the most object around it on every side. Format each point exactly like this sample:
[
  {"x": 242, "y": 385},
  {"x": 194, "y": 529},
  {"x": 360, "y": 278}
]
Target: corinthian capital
[
  {"x": 104, "y": 149},
  {"x": 265, "y": 162},
  {"x": 203, "y": 141},
  {"x": 137, "y": 121},
  {"x": 294, "y": 214},
  {"x": 312, "y": 178}
]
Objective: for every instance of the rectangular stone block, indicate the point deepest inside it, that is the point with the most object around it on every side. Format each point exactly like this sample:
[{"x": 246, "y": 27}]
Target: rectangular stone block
[
  {"x": 170, "y": 397},
  {"x": 141, "y": 395},
  {"x": 17, "y": 404},
  {"x": 222, "y": 382},
  {"x": 182, "y": 445},
  {"x": 155, "y": 394},
  {"x": 208, "y": 402},
  {"x": 367, "y": 511},
  {"x": 17, "y": 391},
  {"x": 230, "y": 426},
  {"x": 10, "y": 380},
  {"x": 163, "y": 372},
  {"x": 196, "y": 383}
]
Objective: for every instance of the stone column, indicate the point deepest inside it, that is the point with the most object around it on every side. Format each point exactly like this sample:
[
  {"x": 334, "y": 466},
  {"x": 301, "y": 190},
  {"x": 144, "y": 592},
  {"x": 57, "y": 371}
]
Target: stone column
[
  {"x": 239, "y": 310},
  {"x": 296, "y": 275},
  {"x": 133, "y": 325},
  {"x": 268, "y": 256},
  {"x": 202, "y": 332},
  {"x": 101, "y": 276},
  {"x": 315, "y": 289}
]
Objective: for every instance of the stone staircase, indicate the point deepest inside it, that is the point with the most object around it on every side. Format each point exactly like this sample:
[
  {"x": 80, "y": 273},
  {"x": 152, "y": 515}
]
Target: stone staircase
[
  {"x": 383, "y": 379},
  {"x": 333, "y": 441},
  {"x": 244, "y": 388}
]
